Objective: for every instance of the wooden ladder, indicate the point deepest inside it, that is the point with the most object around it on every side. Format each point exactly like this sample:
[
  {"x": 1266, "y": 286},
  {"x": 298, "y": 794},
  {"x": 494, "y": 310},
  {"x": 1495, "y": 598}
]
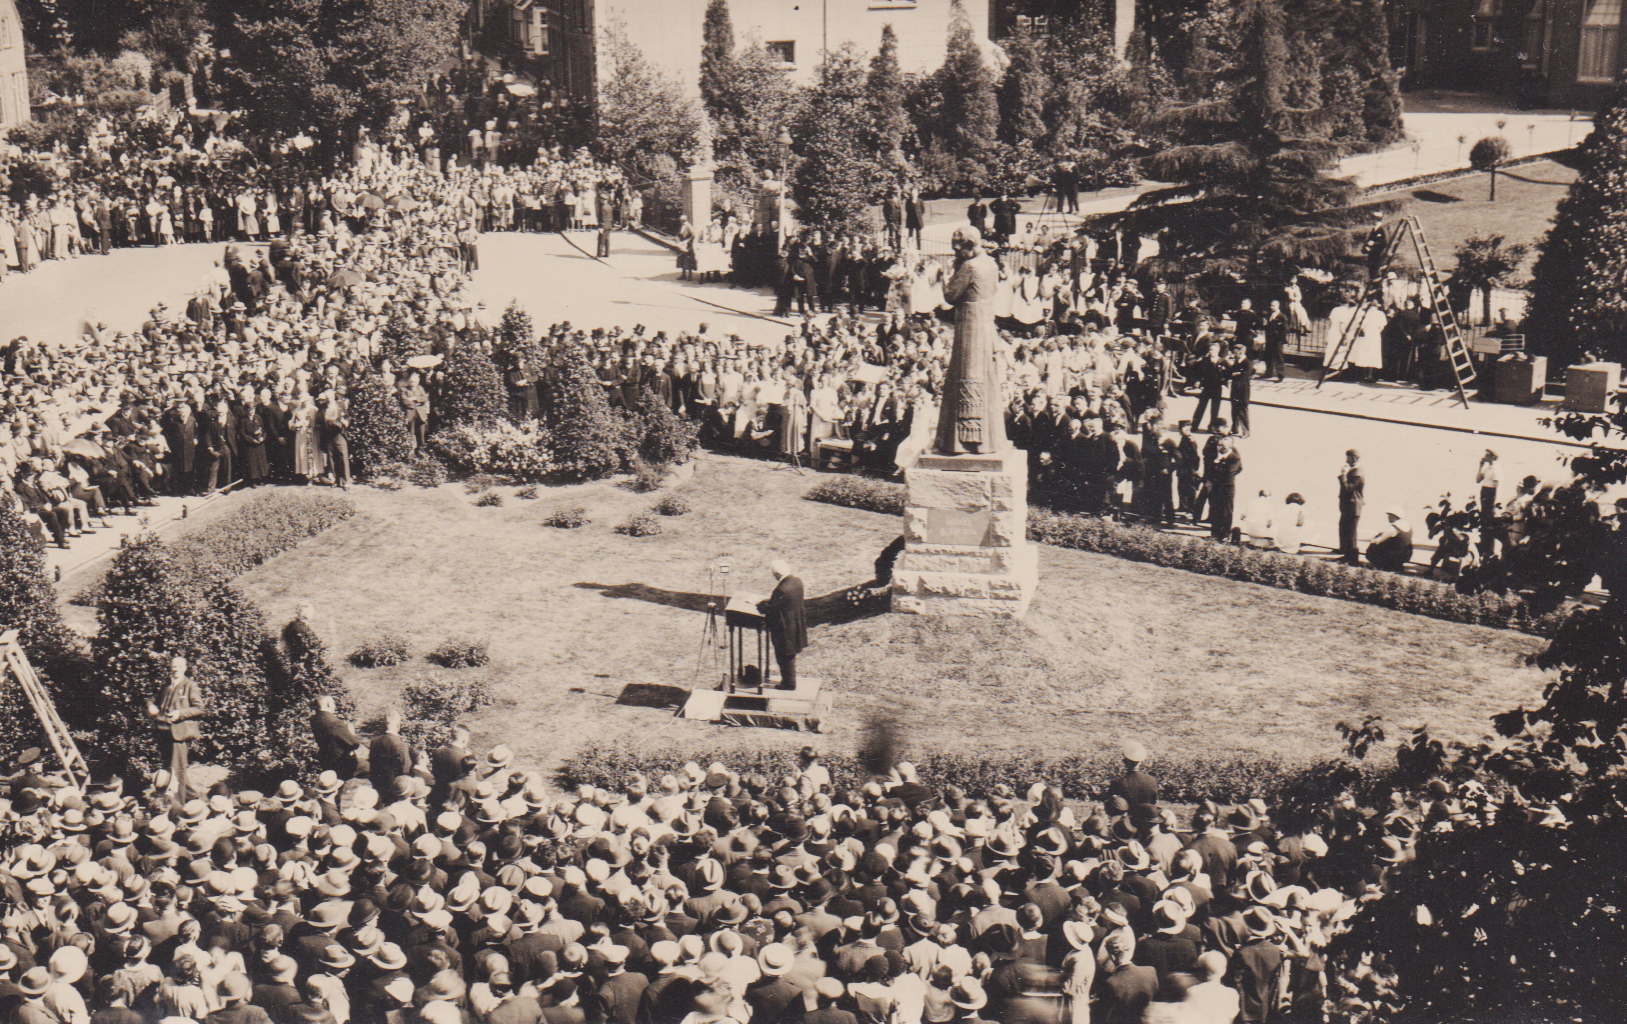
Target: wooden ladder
[
  {"x": 1435, "y": 300},
  {"x": 18, "y": 668}
]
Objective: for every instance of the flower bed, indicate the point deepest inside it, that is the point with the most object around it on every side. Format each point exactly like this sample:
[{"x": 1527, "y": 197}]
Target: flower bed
[{"x": 1201, "y": 555}]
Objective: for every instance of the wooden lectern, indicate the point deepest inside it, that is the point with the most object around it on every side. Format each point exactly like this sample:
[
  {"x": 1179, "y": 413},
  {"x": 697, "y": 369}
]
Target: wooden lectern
[{"x": 748, "y": 638}]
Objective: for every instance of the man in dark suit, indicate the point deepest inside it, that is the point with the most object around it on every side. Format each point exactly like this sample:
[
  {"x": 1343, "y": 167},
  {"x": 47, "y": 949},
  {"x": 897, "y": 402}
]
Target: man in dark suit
[
  {"x": 336, "y": 741},
  {"x": 388, "y": 755},
  {"x": 1125, "y": 991},
  {"x": 1351, "y": 497},
  {"x": 978, "y": 214},
  {"x": 1135, "y": 786},
  {"x": 787, "y": 624}
]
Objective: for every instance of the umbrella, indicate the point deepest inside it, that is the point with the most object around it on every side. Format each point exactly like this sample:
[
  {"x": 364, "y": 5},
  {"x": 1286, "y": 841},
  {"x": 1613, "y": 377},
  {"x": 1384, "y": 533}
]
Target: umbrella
[
  {"x": 370, "y": 201},
  {"x": 424, "y": 362},
  {"x": 404, "y": 203},
  {"x": 86, "y": 447},
  {"x": 521, "y": 89},
  {"x": 344, "y": 279}
]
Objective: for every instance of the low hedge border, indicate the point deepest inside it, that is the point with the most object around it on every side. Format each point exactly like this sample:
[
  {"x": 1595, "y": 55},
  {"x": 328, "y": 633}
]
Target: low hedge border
[
  {"x": 250, "y": 535},
  {"x": 1078, "y": 776},
  {"x": 1314, "y": 576}
]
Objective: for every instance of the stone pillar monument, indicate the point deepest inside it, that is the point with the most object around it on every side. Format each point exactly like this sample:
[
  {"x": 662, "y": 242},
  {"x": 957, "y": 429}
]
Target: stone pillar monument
[
  {"x": 966, "y": 549},
  {"x": 698, "y": 196}
]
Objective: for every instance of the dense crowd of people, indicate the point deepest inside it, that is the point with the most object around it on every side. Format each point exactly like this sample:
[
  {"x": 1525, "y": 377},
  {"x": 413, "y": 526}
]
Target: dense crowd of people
[
  {"x": 251, "y": 381},
  {"x": 443, "y": 886}
]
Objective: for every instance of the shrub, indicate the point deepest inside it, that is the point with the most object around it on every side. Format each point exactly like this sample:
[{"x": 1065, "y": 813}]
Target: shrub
[
  {"x": 480, "y": 482},
  {"x": 378, "y": 427},
  {"x": 527, "y": 493},
  {"x": 431, "y": 706},
  {"x": 665, "y": 439},
  {"x": 403, "y": 339},
  {"x": 671, "y": 505},
  {"x": 428, "y": 471},
  {"x": 460, "y": 652},
  {"x": 1079, "y": 776},
  {"x": 269, "y": 524},
  {"x": 869, "y": 495},
  {"x": 590, "y": 441},
  {"x": 567, "y": 517},
  {"x": 490, "y": 499},
  {"x": 472, "y": 391},
  {"x": 28, "y": 605},
  {"x": 518, "y": 451},
  {"x": 639, "y": 524},
  {"x": 646, "y": 476},
  {"x": 382, "y": 651}
]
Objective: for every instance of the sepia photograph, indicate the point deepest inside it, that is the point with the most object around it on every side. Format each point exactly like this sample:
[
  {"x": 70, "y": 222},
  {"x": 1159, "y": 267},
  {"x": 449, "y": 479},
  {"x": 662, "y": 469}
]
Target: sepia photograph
[{"x": 813, "y": 512}]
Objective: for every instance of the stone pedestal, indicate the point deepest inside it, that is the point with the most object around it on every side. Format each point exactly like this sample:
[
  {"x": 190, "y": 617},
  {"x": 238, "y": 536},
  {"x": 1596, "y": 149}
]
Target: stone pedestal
[
  {"x": 966, "y": 549},
  {"x": 698, "y": 197}
]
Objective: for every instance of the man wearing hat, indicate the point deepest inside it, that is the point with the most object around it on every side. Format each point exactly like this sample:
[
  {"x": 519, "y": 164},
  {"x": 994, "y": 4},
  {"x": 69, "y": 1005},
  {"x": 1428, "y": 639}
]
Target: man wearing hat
[
  {"x": 1135, "y": 786},
  {"x": 1165, "y": 949},
  {"x": 235, "y": 992},
  {"x": 336, "y": 740},
  {"x": 1255, "y": 966},
  {"x": 1126, "y": 988}
]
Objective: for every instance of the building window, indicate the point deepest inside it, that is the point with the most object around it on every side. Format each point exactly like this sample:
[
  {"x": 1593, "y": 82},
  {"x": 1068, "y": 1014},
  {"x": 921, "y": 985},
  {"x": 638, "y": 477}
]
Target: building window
[
  {"x": 785, "y": 51},
  {"x": 1536, "y": 22},
  {"x": 1483, "y": 37},
  {"x": 5, "y": 32},
  {"x": 1601, "y": 37}
]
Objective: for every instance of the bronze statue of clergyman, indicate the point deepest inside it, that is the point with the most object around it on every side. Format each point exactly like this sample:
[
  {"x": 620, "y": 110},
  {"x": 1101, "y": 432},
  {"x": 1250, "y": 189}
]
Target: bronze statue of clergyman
[{"x": 971, "y": 420}]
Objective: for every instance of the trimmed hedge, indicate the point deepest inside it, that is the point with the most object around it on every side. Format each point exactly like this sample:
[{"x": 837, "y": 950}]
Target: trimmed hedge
[
  {"x": 1412, "y": 594},
  {"x": 1079, "y": 776},
  {"x": 251, "y": 535}
]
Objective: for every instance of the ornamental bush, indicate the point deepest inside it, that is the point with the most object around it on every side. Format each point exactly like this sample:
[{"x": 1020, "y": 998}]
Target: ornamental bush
[
  {"x": 381, "y": 651},
  {"x": 665, "y": 439},
  {"x": 489, "y": 499},
  {"x": 472, "y": 391},
  {"x": 518, "y": 451},
  {"x": 431, "y": 706},
  {"x": 671, "y": 505},
  {"x": 639, "y": 524},
  {"x": 567, "y": 517},
  {"x": 461, "y": 652},
  {"x": 28, "y": 605},
  {"x": 1206, "y": 557},
  {"x": 590, "y": 441},
  {"x": 378, "y": 427}
]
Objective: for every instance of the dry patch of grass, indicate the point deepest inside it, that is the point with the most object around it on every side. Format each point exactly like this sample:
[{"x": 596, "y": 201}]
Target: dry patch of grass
[{"x": 585, "y": 625}]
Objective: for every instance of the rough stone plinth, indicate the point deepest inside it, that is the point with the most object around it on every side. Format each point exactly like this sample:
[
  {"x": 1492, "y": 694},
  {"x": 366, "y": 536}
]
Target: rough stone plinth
[{"x": 966, "y": 549}]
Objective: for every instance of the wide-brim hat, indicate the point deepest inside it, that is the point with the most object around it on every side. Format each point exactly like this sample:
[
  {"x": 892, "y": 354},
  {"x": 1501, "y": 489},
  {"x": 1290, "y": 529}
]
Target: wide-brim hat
[
  {"x": 1169, "y": 918},
  {"x": 968, "y": 994},
  {"x": 1078, "y": 933}
]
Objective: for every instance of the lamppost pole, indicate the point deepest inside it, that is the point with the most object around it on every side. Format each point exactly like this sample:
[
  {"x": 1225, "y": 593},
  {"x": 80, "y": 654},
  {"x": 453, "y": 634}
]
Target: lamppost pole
[{"x": 783, "y": 143}]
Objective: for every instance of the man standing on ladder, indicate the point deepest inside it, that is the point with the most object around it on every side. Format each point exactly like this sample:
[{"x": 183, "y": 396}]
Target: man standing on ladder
[{"x": 175, "y": 713}]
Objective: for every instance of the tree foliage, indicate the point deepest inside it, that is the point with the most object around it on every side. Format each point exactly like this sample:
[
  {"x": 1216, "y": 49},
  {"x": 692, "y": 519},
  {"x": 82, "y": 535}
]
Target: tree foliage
[
  {"x": 378, "y": 425},
  {"x": 1485, "y": 262},
  {"x": 760, "y": 100},
  {"x": 590, "y": 441},
  {"x": 837, "y": 176},
  {"x": 472, "y": 390},
  {"x": 960, "y": 129},
  {"x": 1251, "y": 194},
  {"x": 889, "y": 122},
  {"x": 1579, "y": 283},
  {"x": 717, "y": 62},
  {"x": 337, "y": 67},
  {"x": 28, "y": 605},
  {"x": 643, "y": 112}
]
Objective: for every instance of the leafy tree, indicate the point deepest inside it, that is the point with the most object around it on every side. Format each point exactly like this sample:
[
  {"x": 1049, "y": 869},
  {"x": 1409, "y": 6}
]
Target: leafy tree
[
  {"x": 885, "y": 88},
  {"x": 836, "y": 177},
  {"x": 968, "y": 122},
  {"x": 762, "y": 101},
  {"x": 472, "y": 390},
  {"x": 665, "y": 439},
  {"x": 717, "y": 60},
  {"x": 1023, "y": 92},
  {"x": 337, "y": 67},
  {"x": 378, "y": 425},
  {"x": 590, "y": 441},
  {"x": 1485, "y": 262},
  {"x": 1251, "y": 195},
  {"x": 1487, "y": 155},
  {"x": 1578, "y": 288},
  {"x": 643, "y": 112}
]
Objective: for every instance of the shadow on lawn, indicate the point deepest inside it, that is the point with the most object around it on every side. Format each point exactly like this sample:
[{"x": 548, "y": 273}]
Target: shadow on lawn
[{"x": 847, "y": 605}]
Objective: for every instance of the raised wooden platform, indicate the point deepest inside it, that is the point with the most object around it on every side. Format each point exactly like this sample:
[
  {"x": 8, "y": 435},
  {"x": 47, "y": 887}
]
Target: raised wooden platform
[{"x": 802, "y": 709}]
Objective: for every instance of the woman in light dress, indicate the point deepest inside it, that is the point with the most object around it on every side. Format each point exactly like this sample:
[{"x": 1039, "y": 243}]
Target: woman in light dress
[
  {"x": 1366, "y": 351},
  {"x": 308, "y": 461},
  {"x": 923, "y": 427},
  {"x": 1291, "y": 524},
  {"x": 825, "y": 409}
]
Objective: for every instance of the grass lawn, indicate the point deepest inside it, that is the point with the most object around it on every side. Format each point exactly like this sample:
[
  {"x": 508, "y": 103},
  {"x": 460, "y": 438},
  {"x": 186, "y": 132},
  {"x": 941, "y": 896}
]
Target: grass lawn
[
  {"x": 1453, "y": 210},
  {"x": 576, "y": 617}
]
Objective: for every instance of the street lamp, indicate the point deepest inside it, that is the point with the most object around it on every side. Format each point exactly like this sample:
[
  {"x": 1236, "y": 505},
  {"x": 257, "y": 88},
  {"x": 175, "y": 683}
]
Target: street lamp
[{"x": 783, "y": 142}]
